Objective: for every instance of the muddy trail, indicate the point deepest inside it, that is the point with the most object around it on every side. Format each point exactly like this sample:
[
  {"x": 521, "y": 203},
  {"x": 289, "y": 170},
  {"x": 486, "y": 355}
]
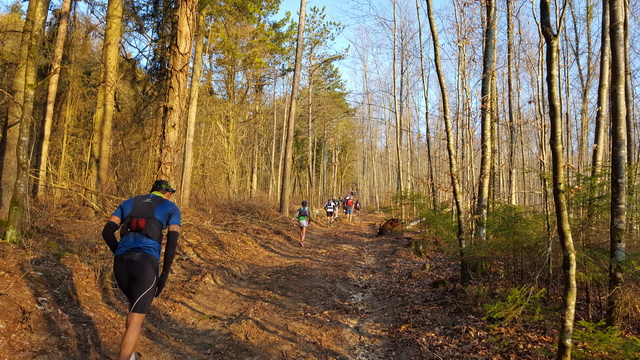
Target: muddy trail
[
  {"x": 243, "y": 288},
  {"x": 321, "y": 301}
]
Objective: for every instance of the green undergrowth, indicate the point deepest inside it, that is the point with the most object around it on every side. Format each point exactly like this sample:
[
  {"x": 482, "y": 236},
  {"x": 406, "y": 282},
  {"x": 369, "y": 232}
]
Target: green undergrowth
[
  {"x": 598, "y": 341},
  {"x": 520, "y": 304}
]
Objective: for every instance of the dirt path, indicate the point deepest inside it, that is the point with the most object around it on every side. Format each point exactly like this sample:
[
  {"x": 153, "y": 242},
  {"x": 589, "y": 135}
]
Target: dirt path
[{"x": 317, "y": 302}]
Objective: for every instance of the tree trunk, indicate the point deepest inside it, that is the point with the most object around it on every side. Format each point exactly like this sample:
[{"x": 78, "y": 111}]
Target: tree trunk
[
  {"x": 171, "y": 150},
  {"x": 397, "y": 115},
  {"x": 585, "y": 79},
  {"x": 618, "y": 161},
  {"x": 111, "y": 56},
  {"x": 511, "y": 110},
  {"x": 425, "y": 92},
  {"x": 20, "y": 195},
  {"x": 288, "y": 152},
  {"x": 453, "y": 166},
  {"x": 51, "y": 94},
  {"x": 628, "y": 90},
  {"x": 602, "y": 111},
  {"x": 310, "y": 174},
  {"x": 11, "y": 126},
  {"x": 185, "y": 185},
  {"x": 558, "y": 175},
  {"x": 487, "y": 110},
  {"x": 272, "y": 165}
]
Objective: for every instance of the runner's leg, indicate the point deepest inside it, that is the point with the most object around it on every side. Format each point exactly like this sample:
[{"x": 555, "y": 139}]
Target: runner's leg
[{"x": 131, "y": 336}]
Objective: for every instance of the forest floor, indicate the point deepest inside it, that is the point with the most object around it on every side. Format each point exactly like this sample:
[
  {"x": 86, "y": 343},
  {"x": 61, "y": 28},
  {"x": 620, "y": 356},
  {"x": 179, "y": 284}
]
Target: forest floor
[{"x": 242, "y": 288}]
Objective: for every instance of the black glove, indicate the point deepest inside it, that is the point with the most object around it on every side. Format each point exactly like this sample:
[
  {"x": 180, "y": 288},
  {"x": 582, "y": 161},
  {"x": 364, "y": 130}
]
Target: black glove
[{"x": 162, "y": 281}]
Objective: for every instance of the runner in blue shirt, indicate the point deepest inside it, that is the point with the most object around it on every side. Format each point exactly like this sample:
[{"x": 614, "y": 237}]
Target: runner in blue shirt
[{"x": 141, "y": 221}]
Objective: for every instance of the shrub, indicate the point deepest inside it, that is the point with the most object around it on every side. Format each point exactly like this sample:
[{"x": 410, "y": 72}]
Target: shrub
[
  {"x": 596, "y": 340},
  {"x": 515, "y": 304}
]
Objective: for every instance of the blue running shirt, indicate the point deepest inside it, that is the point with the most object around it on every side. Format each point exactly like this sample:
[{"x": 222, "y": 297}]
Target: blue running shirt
[{"x": 167, "y": 213}]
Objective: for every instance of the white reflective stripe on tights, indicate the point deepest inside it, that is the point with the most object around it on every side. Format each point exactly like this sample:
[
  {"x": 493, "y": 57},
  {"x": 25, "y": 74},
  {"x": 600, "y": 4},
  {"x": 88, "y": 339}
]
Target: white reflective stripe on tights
[{"x": 151, "y": 287}]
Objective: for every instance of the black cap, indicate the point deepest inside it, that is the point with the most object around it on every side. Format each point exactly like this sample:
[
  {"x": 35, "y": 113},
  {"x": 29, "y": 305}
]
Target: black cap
[
  {"x": 304, "y": 202},
  {"x": 162, "y": 185}
]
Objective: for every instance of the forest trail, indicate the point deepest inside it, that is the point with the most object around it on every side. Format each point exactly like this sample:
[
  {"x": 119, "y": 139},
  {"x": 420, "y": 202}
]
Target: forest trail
[
  {"x": 318, "y": 302},
  {"x": 243, "y": 288}
]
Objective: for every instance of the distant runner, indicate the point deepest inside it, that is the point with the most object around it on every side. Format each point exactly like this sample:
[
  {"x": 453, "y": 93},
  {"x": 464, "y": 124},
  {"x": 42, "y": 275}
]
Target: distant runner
[
  {"x": 303, "y": 215},
  {"x": 357, "y": 207},
  {"x": 348, "y": 208},
  {"x": 330, "y": 208},
  {"x": 136, "y": 256}
]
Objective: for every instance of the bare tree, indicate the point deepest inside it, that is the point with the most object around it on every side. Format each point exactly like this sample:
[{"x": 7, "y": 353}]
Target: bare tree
[
  {"x": 51, "y": 93},
  {"x": 20, "y": 194},
  {"x": 453, "y": 164},
  {"x": 103, "y": 116},
  {"x": 425, "y": 91},
  {"x": 11, "y": 124},
  {"x": 487, "y": 111},
  {"x": 183, "y": 30},
  {"x": 397, "y": 112},
  {"x": 511, "y": 102},
  {"x": 185, "y": 184},
  {"x": 288, "y": 152},
  {"x": 618, "y": 160},
  {"x": 558, "y": 175}
]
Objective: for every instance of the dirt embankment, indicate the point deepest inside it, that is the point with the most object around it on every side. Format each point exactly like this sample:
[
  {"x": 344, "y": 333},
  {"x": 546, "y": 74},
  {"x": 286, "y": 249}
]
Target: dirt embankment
[{"x": 242, "y": 288}]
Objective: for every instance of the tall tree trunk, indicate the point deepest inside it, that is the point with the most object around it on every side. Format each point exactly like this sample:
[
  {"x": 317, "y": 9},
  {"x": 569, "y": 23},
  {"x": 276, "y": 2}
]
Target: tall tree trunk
[
  {"x": 51, "y": 94},
  {"x": 585, "y": 78},
  {"x": 487, "y": 110},
  {"x": 602, "y": 111},
  {"x": 283, "y": 144},
  {"x": 630, "y": 118},
  {"x": 11, "y": 125},
  {"x": 20, "y": 195},
  {"x": 559, "y": 196},
  {"x": 171, "y": 150},
  {"x": 628, "y": 89},
  {"x": 272, "y": 165},
  {"x": 310, "y": 174},
  {"x": 103, "y": 116},
  {"x": 618, "y": 160},
  {"x": 512, "y": 105},
  {"x": 453, "y": 165},
  {"x": 288, "y": 152},
  {"x": 397, "y": 114},
  {"x": 196, "y": 74},
  {"x": 111, "y": 55}
]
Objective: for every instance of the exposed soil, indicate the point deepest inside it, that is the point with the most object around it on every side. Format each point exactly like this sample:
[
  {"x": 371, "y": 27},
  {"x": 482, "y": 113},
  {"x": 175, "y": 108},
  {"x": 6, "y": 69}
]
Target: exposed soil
[{"x": 243, "y": 288}]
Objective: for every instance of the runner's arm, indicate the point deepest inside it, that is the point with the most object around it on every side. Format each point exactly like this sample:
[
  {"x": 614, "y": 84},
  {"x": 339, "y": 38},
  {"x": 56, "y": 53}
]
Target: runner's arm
[
  {"x": 108, "y": 232},
  {"x": 169, "y": 253}
]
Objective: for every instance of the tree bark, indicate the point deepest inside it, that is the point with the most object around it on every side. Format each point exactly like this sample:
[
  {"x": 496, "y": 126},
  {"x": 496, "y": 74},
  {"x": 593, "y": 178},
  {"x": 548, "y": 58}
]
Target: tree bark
[
  {"x": 185, "y": 185},
  {"x": 397, "y": 115},
  {"x": 11, "y": 126},
  {"x": 20, "y": 194},
  {"x": 618, "y": 160},
  {"x": 288, "y": 152},
  {"x": 487, "y": 110},
  {"x": 512, "y": 104},
  {"x": 171, "y": 150},
  {"x": 453, "y": 165},
  {"x": 425, "y": 92},
  {"x": 51, "y": 94},
  {"x": 558, "y": 175}
]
